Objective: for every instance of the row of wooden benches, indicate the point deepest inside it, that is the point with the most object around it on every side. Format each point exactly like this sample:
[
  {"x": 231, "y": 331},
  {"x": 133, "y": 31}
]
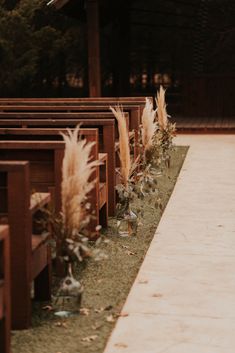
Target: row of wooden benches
[{"x": 31, "y": 154}]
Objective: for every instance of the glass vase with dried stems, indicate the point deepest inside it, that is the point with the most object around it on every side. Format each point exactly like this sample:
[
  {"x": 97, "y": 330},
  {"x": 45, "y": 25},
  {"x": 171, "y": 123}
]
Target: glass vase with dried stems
[
  {"x": 127, "y": 219},
  {"x": 166, "y": 130},
  {"x": 147, "y": 183},
  {"x": 70, "y": 227}
]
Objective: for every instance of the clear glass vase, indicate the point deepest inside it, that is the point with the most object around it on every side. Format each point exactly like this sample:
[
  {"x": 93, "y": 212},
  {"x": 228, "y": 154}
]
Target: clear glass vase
[
  {"x": 127, "y": 225},
  {"x": 67, "y": 300}
]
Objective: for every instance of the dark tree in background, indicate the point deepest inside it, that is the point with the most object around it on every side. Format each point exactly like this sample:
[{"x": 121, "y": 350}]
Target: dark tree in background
[
  {"x": 143, "y": 43},
  {"x": 42, "y": 53}
]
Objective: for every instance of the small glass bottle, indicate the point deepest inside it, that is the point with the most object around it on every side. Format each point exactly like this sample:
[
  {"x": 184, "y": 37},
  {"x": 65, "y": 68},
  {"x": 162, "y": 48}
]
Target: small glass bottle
[
  {"x": 69, "y": 295},
  {"x": 127, "y": 225}
]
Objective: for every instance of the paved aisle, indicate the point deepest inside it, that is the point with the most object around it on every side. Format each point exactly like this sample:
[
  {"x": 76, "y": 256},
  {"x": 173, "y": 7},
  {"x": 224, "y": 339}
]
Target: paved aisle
[{"x": 183, "y": 300}]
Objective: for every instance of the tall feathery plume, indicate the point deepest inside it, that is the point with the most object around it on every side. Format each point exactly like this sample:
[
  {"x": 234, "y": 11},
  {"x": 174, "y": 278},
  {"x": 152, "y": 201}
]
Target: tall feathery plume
[
  {"x": 124, "y": 144},
  {"x": 76, "y": 171},
  {"x": 149, "y": 125},
  {"x": 161, "y": 109}
]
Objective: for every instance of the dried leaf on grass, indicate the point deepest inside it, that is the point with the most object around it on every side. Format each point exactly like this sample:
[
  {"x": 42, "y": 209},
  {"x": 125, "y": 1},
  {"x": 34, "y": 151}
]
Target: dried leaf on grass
[
  {"x": 130, "y": 253},
  {"x": 96, "y": 326},
  {"x": 89, "y": 338},
  {"x": 110, "y": 318},
  {"x": 85, "y": 311},
  {"x": 61, "y": 324},
  {"x": 99, "y": 310}
]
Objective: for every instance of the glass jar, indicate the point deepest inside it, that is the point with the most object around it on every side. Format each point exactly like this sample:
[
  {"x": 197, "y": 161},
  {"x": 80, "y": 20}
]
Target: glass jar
[
  {"x": 68, "y": 298},
  {"x": 127, "y": 225}
]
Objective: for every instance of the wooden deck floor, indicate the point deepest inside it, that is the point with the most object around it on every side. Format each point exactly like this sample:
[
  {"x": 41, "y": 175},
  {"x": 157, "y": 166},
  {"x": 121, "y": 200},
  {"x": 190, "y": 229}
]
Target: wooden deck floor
[{"x": 205, "y": 124}]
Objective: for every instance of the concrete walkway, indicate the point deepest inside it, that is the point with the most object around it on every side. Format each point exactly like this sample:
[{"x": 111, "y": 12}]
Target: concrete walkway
[{"x": 183, "y": 299}]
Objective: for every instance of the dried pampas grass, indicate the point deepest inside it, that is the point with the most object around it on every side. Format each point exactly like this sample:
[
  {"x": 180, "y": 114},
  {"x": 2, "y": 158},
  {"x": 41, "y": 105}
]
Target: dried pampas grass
[
  {"x": 161, "y": 109},
  {"x": 149, "y": 125},
  {"x": 124, "y": 144},
  {"x": 76, "y": 171}
]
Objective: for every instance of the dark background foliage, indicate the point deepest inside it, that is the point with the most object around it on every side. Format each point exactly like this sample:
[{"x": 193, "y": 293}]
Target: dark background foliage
[{"x": 43, "y": 52}]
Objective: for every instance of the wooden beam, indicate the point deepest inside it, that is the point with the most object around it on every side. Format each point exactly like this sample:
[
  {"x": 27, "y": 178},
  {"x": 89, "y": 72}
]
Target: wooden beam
[{"x": 93, "y": 32}]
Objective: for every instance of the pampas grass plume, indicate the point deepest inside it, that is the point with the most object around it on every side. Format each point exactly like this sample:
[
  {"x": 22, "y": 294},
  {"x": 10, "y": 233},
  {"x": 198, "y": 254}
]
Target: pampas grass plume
[
  {"x": 76, "y": 170},
  {"x": 124, "y": 144},
  {"x": 149, "y": 125},
  {"x": 161, "y": 109}
]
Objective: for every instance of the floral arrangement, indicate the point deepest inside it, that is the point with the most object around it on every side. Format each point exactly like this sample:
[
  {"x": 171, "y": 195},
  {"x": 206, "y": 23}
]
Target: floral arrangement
[
  {"x": 126, "y": 189},
  {"x": 150, "y": 146},
  {"x": 70, "y": 228},
  {"x": 167, "y": 130},
  {"x": 148, "y": 131}
]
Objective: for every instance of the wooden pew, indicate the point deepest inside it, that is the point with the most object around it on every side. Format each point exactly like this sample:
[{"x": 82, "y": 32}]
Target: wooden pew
[
  {"x": 134, "y": 111},
  {"x": 107, "y": 141},
  {"x": 133, "y": 105},
  {"x": 58, "y": 111},
  {"x": 83, "y": 116},
  {"x": 46, "y": 168},
  {"x": 114, "y": 100},
  {"x": 5, "y": 312},
  {"x": 30, "y": 258}
]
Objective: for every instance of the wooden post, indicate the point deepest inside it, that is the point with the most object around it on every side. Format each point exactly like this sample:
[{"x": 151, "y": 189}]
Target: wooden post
[
  {"x": 93, "y": 48},
  {"x": 5, "y": 300}
]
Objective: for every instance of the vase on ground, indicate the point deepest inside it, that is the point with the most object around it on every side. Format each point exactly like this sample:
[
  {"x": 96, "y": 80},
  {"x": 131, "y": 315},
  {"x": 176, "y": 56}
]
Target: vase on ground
[
  {"x": 127, "y": 224},
  {"x": 68, "y": 298}
]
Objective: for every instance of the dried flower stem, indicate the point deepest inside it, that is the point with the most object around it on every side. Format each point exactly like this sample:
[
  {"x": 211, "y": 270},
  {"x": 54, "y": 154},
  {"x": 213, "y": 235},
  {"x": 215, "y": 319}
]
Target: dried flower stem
[
  {"x": 161, "y": 109},
  {"x": 149, "y": 125},
  {"x": 124, "y": 144},
  {"x": 76, "y": 171}
]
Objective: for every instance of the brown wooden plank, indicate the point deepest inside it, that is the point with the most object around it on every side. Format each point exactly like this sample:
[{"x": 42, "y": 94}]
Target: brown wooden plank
[
  {"x": 5, "y": 300},
  {"x": 107, "y": 145},
  {"x": 20, "y": 221}
]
